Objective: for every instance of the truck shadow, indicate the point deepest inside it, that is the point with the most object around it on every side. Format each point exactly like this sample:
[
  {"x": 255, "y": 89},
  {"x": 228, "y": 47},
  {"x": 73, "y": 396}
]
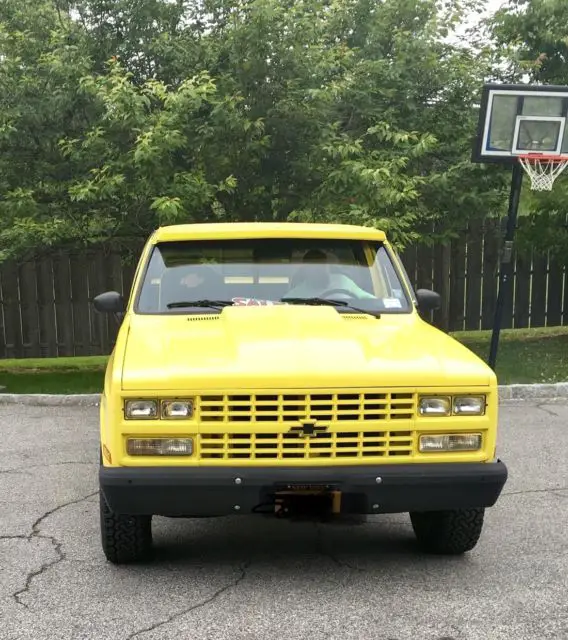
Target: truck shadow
[{"x": 353, "y": 545}]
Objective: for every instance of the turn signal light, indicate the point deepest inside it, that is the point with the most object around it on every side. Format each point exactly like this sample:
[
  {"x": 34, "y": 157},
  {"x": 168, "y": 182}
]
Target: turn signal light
[
  {"x": 159, "y": 446},
  {"x": 450, "y": 442}
]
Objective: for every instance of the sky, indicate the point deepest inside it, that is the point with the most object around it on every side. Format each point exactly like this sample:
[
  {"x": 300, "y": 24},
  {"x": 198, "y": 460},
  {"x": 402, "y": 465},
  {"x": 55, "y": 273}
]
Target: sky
[{"x": 491, "y": 7}]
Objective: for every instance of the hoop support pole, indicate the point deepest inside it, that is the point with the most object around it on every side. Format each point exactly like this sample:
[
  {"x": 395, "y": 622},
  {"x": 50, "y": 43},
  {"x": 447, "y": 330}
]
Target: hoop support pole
[{"x": 506, "y": 270}]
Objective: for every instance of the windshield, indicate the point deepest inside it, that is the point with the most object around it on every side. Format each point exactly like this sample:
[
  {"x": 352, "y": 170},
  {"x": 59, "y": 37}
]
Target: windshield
[{"x": 267, "y": 271}]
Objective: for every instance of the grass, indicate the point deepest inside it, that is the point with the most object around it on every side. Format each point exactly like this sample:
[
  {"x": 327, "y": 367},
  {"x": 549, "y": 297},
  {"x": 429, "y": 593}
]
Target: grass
[
  {"x": 53, "y": 375},
  {"x": 56, "y": 381},
  {"x": 525, "y": 355},
  {"x": 52, "y": 364}
]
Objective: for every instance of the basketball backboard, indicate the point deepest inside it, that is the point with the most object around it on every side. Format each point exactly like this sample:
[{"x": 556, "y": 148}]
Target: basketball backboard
[{"x": 517, "y": 119}]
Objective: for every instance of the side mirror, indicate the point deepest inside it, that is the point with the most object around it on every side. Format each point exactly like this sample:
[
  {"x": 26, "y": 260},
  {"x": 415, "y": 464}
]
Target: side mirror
[
  {"x": 428, "y": 300},
  {"x": 109, "y": 302}
]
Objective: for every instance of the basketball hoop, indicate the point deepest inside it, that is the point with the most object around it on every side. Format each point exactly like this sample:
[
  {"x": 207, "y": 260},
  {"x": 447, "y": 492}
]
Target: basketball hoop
[
  {"x": 525, "y": 124},
  {"x": 542, "y": 169}
]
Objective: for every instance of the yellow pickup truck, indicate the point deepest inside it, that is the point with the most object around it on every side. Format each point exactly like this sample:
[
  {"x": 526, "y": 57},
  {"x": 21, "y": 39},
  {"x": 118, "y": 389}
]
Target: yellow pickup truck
[{"x": 286, "y": 370}]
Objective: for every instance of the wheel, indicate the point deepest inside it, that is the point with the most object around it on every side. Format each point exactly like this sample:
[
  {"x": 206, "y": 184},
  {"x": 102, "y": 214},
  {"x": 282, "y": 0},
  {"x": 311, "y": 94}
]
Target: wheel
[
  {"x": 124, "y": 538},
  {"x": 448, "y": 532}
]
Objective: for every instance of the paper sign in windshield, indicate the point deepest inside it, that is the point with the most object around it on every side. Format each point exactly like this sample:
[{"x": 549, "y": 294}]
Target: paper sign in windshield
[{"x": 254, "y": 302}]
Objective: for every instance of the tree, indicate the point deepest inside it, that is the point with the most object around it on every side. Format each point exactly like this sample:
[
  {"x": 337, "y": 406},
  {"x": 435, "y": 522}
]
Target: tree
[
  {"x": 149, "y": 36},
  {"x": 42, "y": 63},
  {"x": 331, "y": 110},
  {"x": 531, "y": 36}
]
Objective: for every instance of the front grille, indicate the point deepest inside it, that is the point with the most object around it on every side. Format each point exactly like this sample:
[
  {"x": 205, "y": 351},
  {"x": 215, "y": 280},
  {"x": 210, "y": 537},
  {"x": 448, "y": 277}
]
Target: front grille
[
  {"x": 328, "y": 408},
  {"x": 290, "y": 445}
]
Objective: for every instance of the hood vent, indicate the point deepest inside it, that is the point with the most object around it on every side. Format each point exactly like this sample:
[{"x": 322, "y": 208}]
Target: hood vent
[
  {"x": 207, "y": 317},
  {"x": 351, "y": 316}
]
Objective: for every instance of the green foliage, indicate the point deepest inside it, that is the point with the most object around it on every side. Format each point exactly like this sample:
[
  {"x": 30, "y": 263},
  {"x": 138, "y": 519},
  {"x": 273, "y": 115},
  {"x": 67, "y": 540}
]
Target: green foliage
[
  {"x": 531, "y": 36},
  {"x": 534, "y": 34},
  {"x": 118, "y": 115},
  {"x": 42, "y": 63}
]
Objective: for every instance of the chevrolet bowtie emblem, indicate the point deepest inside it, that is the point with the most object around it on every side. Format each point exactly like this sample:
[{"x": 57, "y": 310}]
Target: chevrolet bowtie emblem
[{"x": 308, "y": 428}]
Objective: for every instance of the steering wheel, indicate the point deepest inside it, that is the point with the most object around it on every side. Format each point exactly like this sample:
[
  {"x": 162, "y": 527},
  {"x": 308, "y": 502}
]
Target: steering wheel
[{"x": 338, "y": 291}]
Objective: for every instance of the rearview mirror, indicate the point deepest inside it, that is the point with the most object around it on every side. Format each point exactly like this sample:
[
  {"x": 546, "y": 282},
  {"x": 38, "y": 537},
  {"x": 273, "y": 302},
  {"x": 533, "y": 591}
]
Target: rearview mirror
[
  {"x": 428, "y": 300},
  {"x": 109, "y": 302}
]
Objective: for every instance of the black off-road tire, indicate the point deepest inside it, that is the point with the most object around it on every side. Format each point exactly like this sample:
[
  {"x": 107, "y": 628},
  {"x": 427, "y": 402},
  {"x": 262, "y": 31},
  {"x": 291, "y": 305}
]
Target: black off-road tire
[
  {"x": 125, "y": 538},
  {"x": 448, "y": 532}
]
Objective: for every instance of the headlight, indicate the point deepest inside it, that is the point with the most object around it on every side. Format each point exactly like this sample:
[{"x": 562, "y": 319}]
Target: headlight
[
  {"x": 450, "y": 442},
  {"x": 141, "y": 409},
  {"x": 177, "y": 409},
  {"x": 457, "y": 406},
  {"x": 435, "y": 406},
  {"x": 469, "y": 405},
  {"x": 159, "y": 446}
]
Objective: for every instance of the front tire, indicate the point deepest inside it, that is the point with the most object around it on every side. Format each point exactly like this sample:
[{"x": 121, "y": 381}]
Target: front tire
[
  {"x": 448, "y": 532},
  {"x": 124, "y": 538}
]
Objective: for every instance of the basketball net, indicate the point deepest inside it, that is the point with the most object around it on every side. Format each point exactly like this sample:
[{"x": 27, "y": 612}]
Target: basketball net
[{"x": 543, "y": 170}]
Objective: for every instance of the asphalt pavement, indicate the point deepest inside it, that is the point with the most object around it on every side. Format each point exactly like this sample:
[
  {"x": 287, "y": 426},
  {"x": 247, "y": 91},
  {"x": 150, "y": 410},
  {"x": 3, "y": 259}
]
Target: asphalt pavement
[{"x": 247, "y": 578}]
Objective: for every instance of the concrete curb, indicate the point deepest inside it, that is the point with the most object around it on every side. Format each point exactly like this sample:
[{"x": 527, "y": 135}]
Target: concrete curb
[
  {"x": 51, "y": 400},
  {"x": 506, "y": 392},
  {"x": 533, "y": 391}
]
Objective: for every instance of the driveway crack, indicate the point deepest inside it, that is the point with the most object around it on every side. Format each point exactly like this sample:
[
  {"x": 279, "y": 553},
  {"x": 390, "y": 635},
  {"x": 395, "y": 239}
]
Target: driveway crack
[
  {"x": 551, "y": 490},
  {"x": 321, "y": 548},
  {"x": 45, "y": 466},
  {"x": 545, "y": 410},
  {"x": 19, "y": 471},
  {"x": 56, "y": 544},
  {"x": 231, "y": 585}
]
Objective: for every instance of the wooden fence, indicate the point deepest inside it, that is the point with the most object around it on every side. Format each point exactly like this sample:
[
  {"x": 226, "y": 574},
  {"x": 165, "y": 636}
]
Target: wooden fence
[
  {"x": 45, "y": 305},
  {"x": 46, "y": 310}
]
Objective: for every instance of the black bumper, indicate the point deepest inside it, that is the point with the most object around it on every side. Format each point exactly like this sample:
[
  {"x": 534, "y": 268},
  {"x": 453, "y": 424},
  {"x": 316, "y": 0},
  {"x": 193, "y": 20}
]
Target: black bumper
[{"x": 215, "y": 491}]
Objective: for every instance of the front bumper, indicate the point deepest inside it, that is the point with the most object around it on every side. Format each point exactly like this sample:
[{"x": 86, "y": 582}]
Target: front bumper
[{"x": 216, "y": 491}]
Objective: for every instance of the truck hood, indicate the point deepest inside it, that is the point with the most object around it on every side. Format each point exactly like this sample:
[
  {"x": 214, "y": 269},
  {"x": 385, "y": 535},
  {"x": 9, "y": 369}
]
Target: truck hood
[{"x": 275, "y": 347}]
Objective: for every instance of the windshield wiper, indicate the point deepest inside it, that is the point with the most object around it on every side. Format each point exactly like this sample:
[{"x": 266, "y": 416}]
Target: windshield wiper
[
  {"x": 316, "y": 301},
  {"x": 330, "y": 302},
  {"x": 213, "y": 304}
]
